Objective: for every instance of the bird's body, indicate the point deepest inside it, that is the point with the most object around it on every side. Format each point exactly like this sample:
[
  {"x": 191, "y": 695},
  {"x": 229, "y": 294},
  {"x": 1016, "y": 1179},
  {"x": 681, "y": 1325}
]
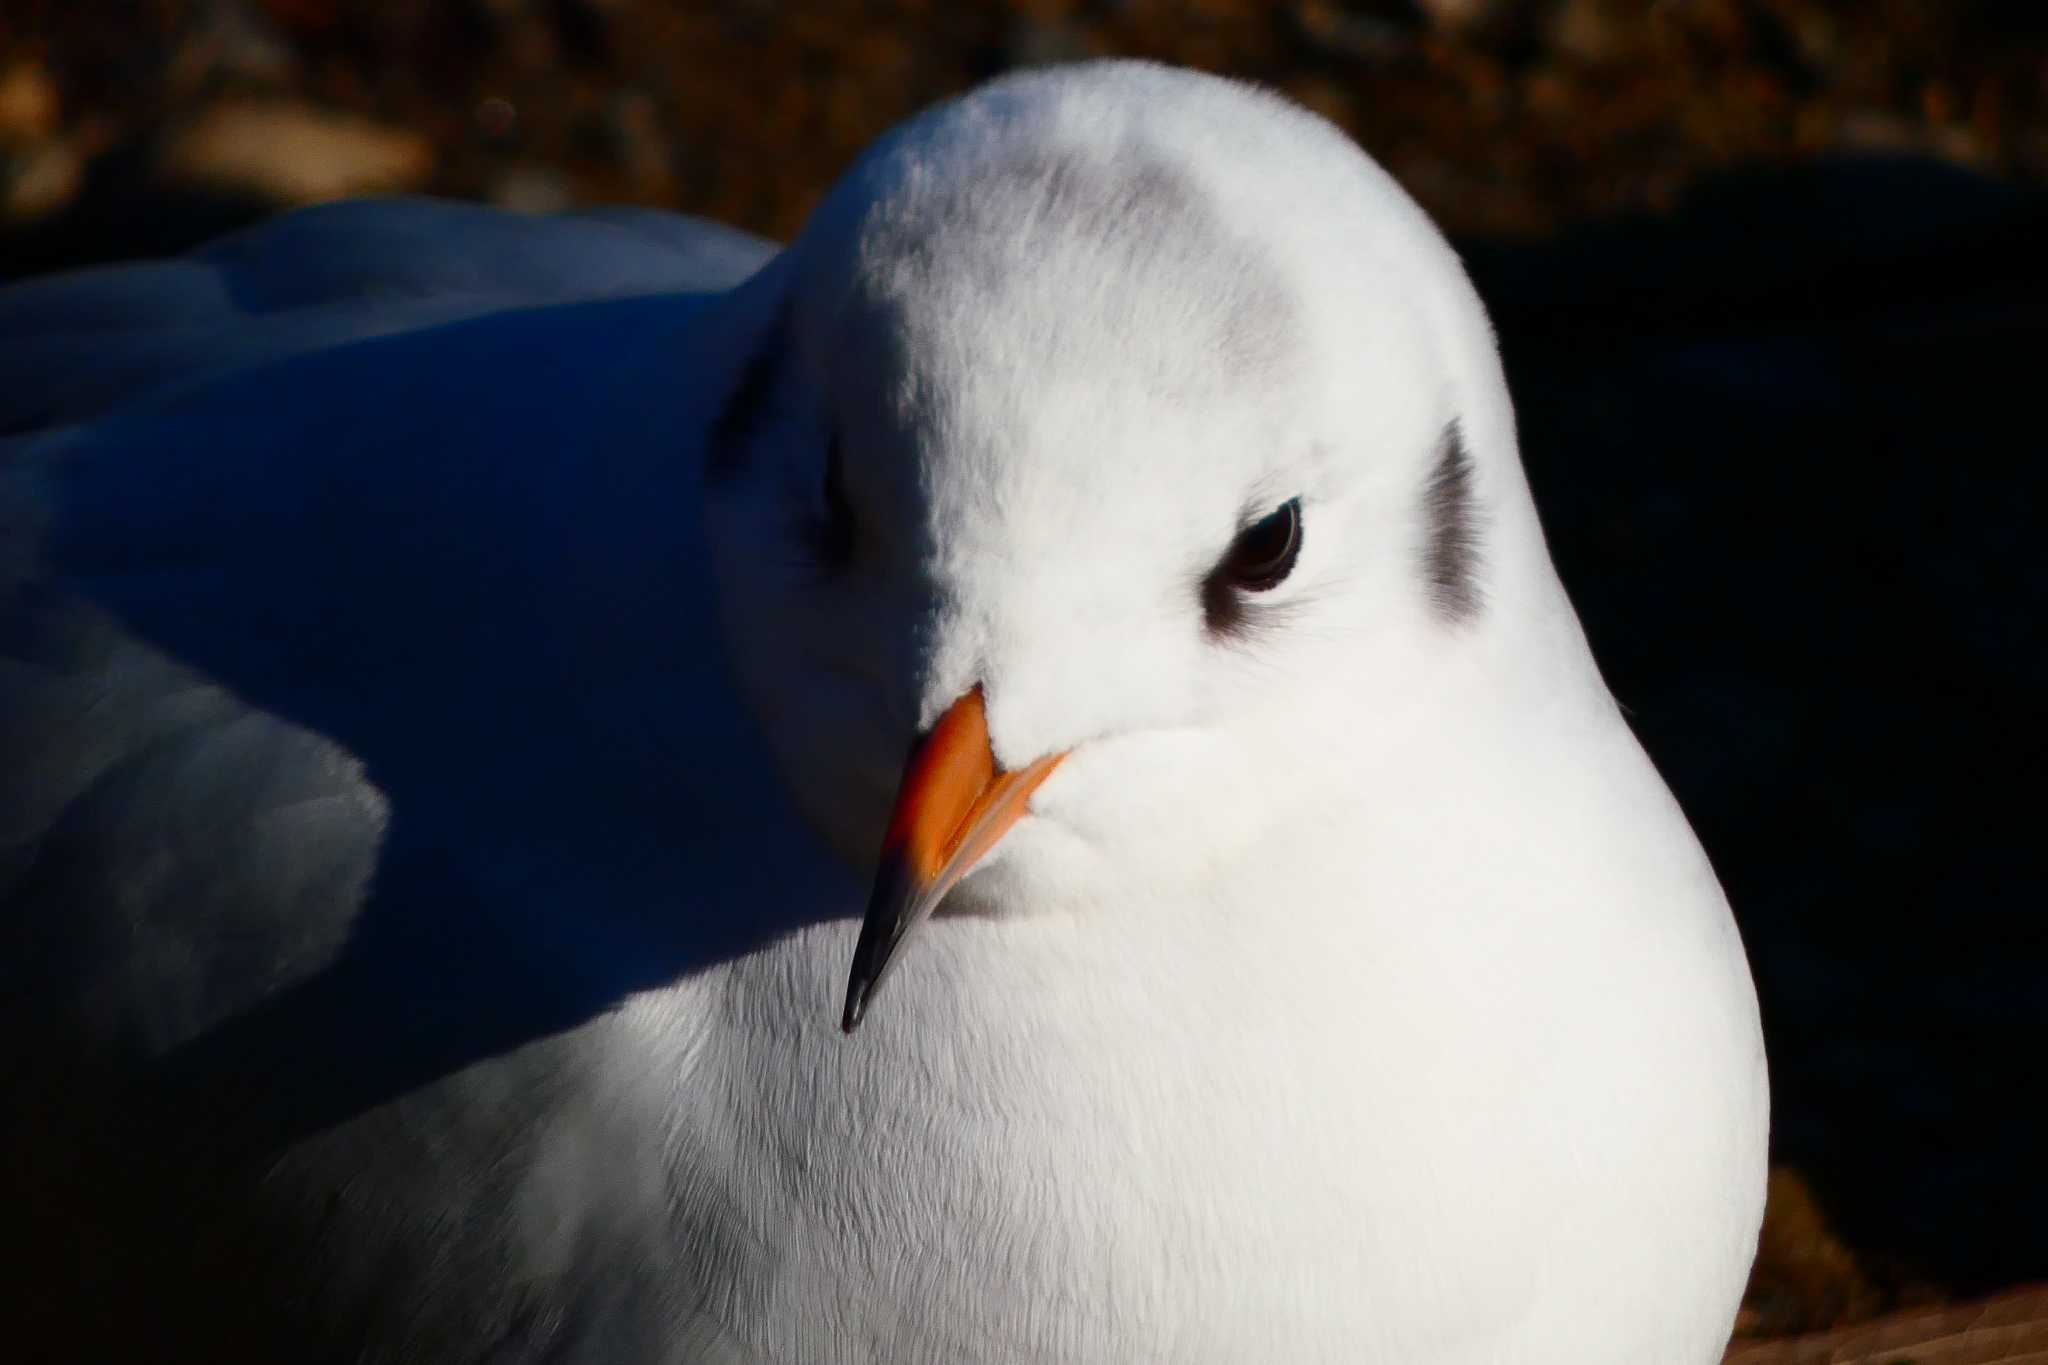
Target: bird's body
[{"x": 428, "y": 896}]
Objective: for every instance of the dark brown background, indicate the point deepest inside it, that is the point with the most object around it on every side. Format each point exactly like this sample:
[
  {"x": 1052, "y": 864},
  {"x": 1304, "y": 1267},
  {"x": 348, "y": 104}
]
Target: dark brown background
[{"x": 1505, "y": 117}]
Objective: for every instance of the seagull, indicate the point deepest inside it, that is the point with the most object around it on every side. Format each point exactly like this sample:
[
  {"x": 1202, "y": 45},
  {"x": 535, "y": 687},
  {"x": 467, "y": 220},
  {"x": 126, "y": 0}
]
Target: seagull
[{"x": 1010, "y": 782}]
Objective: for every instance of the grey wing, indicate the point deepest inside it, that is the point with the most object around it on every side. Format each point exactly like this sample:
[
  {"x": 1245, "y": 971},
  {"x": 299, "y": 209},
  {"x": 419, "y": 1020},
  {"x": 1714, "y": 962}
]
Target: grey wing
[
  {"x": 219, "y": 1108},
  {"x": 75, "y": 344},
  {"x": 119, "y": 757},
  {"x": 320, "y": 871},
  {"x": 136, "y": 787},
  {"x": 134, "y": 790}
]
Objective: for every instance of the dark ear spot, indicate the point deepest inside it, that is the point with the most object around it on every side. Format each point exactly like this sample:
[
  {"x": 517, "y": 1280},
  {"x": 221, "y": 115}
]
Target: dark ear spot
[
  {"x": 1451, "y": 558},
  {"x": 726, "y": 448}
]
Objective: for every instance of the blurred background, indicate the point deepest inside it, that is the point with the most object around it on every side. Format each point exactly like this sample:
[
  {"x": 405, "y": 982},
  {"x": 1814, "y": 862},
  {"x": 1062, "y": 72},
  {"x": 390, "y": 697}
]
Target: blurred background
[{"x": 1770, "y": 286}]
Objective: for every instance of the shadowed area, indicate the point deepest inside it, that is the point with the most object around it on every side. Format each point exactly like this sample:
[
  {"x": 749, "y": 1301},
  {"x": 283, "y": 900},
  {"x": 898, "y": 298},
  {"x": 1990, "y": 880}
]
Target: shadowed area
[
  {"x": 451, "y": 791},
  {"x": 514, "y": 660}
]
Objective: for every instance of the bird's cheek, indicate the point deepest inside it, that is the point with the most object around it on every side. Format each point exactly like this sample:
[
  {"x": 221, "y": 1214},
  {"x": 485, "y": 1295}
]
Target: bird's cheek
[{"x": 1129, "y": 798}]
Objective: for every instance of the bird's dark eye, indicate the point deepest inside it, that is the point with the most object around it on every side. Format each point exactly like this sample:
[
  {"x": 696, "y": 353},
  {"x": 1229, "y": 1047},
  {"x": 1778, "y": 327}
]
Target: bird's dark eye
[
  {"x": 834, "y": 532},
  {"x": 1264, "y": 553},
  {"x": 1257, "y": 561}
]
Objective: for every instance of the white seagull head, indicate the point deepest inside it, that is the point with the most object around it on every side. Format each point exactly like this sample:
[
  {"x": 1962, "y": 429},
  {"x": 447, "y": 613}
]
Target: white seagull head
[{"x": 1130, "y": 440}]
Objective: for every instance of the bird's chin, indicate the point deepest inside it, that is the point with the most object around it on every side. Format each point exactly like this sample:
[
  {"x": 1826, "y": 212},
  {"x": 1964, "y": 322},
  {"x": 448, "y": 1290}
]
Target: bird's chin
[{"x": 1037, "y": 869}]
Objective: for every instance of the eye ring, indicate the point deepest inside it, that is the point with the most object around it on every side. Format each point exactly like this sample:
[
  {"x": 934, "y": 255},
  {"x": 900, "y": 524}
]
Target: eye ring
[{"x": 1265, "y": 552}]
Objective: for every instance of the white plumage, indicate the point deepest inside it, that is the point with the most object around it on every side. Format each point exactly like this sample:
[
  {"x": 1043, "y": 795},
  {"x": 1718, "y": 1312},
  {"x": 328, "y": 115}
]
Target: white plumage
[{"x": 1353, "y": 990}]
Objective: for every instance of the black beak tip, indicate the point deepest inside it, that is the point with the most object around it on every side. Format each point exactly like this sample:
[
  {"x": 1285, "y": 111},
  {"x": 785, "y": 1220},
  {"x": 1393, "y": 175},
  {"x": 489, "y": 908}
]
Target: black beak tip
[{"x": 881, "y": 930}]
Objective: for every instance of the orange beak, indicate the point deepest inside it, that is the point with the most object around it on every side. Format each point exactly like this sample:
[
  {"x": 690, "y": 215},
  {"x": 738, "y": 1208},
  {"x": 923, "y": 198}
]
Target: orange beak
[{"x": 953, "y": 807}]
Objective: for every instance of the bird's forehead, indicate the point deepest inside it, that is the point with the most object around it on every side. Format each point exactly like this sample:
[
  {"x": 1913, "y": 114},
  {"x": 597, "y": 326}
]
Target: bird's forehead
[
  {"x": 1053, "y": 340},
  {"x": 1049, "y": 266}
]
